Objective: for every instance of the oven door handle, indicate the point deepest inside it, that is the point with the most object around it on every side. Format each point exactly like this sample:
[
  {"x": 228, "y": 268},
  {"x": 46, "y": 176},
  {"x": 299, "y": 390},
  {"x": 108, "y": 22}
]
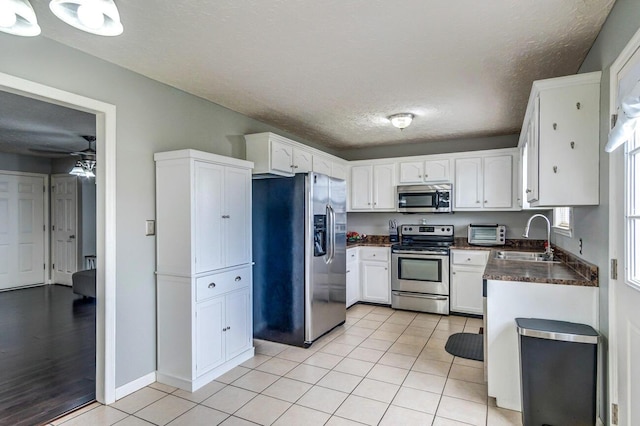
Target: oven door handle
[
  {"x": 419, "y": 296},
  {"x": 421, "y": 253}
]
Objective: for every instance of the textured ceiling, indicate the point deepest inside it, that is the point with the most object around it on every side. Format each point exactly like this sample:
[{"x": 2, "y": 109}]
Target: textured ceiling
[{"x": 331, "y": 71}]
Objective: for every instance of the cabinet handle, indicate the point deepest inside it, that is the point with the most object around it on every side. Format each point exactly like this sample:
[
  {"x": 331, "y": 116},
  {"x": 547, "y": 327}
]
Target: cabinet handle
[
  {"x": 348, "y": 271},
  {"x": 573, "y": 145},
  {"x": 555, "y": 126},
  {"x": 555, "y": 169},
  {"x": 212, "y": 285},
  {"x": 229, "y": 328},
  {"x": 238, "y": 278},
  {"x": 527, "y": 191},
  {"x": 578, "y": 105},
  {"x": 225, "y": 216}
]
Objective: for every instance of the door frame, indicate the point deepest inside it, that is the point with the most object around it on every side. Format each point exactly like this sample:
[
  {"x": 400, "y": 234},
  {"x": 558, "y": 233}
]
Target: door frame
[
  {"x": 47, "y": 224},
  {"x": 616, "y": 221},
  {"x": 105, "y": 219}
]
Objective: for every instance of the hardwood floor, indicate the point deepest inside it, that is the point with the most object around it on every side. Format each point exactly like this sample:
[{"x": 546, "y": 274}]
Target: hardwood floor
[{"x": 47, "y": 353}]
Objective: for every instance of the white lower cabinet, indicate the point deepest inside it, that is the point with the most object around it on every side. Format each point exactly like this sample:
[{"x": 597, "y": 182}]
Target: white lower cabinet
[
  {"x": 353, "y": 276},
  {"x": 204, "y": 326},
  {"x": 467, "y": 268},
  {"x": 375, "y": 277}
]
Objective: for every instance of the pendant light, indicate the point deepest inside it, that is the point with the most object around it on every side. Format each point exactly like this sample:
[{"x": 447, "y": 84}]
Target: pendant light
[
  {"x": 18, "y": 18},
  {"x": 99, "y": 17}
]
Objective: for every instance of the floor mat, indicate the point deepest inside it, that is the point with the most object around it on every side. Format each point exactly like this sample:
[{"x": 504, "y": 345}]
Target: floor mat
[{"x": 466, "y": 345}]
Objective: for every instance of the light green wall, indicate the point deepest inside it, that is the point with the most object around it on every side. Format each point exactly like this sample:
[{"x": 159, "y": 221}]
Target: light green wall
[
  {"x": 151, "y": 117},
  {"x": 427, "y": 148}
]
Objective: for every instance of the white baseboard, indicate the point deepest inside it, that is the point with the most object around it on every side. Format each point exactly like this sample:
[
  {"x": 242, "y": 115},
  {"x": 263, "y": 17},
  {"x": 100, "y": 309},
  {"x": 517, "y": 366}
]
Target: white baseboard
[
  {"x": 137, "y": 384},
  {"x": 599, "y": 422}
]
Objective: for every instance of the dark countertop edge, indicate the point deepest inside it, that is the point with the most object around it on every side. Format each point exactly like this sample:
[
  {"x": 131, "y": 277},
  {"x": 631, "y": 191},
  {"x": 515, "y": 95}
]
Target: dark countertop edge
[{"x": 368, "y": 244}]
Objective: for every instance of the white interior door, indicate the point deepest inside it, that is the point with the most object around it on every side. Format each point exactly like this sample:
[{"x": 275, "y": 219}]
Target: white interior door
[
  {"x": 64, "y": 206},
  {"x": 624, "y": 245},
  {"x": 21, "y": 230}
]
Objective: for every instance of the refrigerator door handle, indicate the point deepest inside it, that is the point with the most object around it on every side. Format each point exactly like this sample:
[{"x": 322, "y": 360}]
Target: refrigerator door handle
[{"x": 331, "y": 234}]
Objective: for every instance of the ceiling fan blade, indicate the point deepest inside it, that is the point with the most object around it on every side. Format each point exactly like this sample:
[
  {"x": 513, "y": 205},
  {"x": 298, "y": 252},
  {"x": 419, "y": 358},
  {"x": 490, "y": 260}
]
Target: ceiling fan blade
[{"x": 49, "y": 151}]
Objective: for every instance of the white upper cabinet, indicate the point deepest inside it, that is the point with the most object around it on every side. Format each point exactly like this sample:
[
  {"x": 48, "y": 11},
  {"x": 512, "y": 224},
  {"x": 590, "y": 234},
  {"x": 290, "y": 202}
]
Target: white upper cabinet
[
  {"x": 487, "y": 182},
  {"x": 302, "y": 161},
  {"x": 322, "y": 165},
  {"x": 277, "y": 155},
  {"x": 561, "y": 133},
  {"x": 424, "y": 171},
  {"x": 373, "y": 187}
]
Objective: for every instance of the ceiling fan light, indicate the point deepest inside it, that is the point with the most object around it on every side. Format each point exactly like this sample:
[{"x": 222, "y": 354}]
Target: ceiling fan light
[
  {"x": 77, "y": 170},
  {"x": 402, "y": 120},
  {"x": 99, "y": 17},
  {"x": 18, "y": 18}
]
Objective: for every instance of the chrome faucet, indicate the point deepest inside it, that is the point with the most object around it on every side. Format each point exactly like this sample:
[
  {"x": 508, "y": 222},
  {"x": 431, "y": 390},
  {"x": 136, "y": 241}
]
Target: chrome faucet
[{"x": 548, "y": 250}]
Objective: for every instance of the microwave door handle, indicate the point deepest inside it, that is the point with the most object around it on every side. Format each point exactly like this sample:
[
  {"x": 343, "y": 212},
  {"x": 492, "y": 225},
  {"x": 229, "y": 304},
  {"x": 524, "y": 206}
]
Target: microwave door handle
[{"x": 437, "y": 199}]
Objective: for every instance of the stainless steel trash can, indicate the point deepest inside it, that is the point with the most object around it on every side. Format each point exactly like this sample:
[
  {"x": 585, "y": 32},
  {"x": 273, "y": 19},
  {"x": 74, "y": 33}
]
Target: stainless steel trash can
[{"x": 558, "y": 362}]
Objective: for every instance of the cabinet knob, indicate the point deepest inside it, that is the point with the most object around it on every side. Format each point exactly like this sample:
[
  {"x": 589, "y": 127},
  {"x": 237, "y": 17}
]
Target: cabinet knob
[
  {"x": 224, "y": 329},
  {"x": 229, "y": 328},
  {"x": 468, "y": 259},
  {"x": 295, "y": 167},
  {"x": 385, "y": 269},
  {"x": 453, "y": 273},
  {"x": 555, "y": 169},
  {"x": 368, "y": 204},
  {"x": 374, "y": 255},
  {"x": 426, "y": 176},
  {"x": 477, "y": 201},
  {"x": 348, "y": 271},
  {"x": 573, "y": 145},
  {"x": 212, "y": 285},
  {"x": 419, "y": 176},
  {"x": 225, "y": 216},
  {"x": 555, "y": 126},
  {"x": 528, "y": 191},
  {"x": 485, "y": 201},
  {"x": 578, "y": 105},
  {"x": 238, "y": 278}
]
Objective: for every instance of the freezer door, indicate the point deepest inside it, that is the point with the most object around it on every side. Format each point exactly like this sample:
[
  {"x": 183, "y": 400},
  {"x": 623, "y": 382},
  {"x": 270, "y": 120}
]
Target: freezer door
[{"x": 322, "y": 311}]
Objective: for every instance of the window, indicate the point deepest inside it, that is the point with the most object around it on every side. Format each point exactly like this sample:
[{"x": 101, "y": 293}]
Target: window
[
  {"x": 632, "y": 209},
  {"x": 562, "y": 218}
]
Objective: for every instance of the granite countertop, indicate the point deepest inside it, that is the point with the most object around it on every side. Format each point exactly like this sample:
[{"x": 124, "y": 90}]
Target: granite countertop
[
  {"x": 371, "y": 241},
  {"x": 570, "y": 270}
]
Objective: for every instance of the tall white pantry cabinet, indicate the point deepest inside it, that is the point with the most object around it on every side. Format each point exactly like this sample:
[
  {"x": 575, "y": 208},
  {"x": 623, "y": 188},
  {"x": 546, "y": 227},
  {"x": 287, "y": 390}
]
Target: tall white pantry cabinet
[{"x": 204, "y": 266}]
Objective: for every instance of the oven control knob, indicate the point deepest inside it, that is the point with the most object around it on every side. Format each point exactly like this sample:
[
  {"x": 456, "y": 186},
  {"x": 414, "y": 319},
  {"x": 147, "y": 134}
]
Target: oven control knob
[{"x": 442, "y": 229}]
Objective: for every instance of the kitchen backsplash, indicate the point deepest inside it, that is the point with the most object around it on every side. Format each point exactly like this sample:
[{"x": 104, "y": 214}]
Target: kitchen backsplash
[{"x": 378, "y": 223}]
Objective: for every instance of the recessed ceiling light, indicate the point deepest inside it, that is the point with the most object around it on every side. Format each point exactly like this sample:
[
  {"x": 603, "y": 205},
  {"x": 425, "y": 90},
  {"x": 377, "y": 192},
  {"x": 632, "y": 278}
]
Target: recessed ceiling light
[{"x": 402, "y": 120}]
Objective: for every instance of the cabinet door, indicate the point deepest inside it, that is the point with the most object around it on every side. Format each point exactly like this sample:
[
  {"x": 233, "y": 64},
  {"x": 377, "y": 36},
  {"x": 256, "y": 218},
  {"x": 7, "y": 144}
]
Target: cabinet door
[
  {"x": 375, "y": 282},
  {"x": 208, "y": 228},
  {"x": 466, "y": 289},
  {"x": 468, "y": 183},
  {"x": 353, "y": 283},
  {"x": 281, "y": 157},
  {"x": 384, "y": 189},
  {"x": 436, "y": 170},
  {"x": 302, "y": 161},
  {"x": 498, "y": 182},
  {"x": 209, "y": 334},
  {"x": 238, "y": 323},
  {"x": 411, "y": 172},
  {"x": 361, "y": 181},
  {"x": 237, "y": 220},
  {"x": 533, "y": 143},
  {"x": 339, "y": 171},
  {"x": 322, "y": 165}
]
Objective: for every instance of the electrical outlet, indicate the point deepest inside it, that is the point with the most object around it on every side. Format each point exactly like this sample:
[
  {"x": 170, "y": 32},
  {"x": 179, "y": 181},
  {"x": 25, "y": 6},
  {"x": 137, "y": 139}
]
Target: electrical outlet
[{"x": 150, "y": 227}]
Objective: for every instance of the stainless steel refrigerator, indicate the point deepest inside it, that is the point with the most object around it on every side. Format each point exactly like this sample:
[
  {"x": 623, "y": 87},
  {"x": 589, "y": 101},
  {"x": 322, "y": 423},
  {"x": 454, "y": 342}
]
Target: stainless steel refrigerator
[{"x": 299, "y": 250}]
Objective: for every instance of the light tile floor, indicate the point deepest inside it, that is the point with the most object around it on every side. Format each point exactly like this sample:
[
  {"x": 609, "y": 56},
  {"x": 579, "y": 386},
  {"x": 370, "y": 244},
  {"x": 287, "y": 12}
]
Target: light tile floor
[{"x": 383, "y": 367}]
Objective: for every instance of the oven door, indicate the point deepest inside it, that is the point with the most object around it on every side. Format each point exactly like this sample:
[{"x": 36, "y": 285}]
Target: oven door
[{"x": 420, "y": 273}]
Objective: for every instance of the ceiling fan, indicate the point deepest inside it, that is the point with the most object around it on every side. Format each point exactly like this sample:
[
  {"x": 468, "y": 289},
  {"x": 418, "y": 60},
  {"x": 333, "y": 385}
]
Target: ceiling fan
[{"x": 88, "y": 153}]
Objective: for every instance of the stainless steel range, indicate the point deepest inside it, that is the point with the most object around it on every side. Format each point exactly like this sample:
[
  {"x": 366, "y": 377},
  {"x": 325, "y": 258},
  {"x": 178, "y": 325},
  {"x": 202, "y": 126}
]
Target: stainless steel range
[{"x": 420, "y": 268}]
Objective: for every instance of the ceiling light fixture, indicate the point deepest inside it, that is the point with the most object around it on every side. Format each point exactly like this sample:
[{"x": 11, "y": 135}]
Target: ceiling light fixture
[
  {"x": 18, "y": 18},
  {"x": 402, "y": 120},
  {"x": 84, "y": 168},
  {"x": 99, "y": 17}
]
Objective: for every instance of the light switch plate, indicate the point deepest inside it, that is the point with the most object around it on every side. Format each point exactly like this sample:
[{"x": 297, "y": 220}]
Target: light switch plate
[{"x": 150, "y": 227}]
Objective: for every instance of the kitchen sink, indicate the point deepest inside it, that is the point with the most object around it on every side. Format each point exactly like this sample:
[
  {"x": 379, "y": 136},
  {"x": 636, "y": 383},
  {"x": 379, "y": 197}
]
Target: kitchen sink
[{"x": 523, "y": 256}]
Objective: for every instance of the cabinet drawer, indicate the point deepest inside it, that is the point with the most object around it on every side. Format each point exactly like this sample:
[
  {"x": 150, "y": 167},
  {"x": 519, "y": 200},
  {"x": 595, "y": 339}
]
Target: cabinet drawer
[
  {"x": 352, "y": 255},
  {"x": 467, "y": 257},
  {"x": 217, "y": 284},
  {"x": 374, "y": 253}
]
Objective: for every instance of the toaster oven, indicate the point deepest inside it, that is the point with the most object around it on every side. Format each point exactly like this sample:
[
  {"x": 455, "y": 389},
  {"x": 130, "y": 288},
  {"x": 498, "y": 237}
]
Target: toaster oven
[{"x": 487, "y": 234}]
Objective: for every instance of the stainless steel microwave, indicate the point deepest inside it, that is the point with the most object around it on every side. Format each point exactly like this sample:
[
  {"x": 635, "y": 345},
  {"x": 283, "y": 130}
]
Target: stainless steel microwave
[{"x": 425, "y": 198}]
